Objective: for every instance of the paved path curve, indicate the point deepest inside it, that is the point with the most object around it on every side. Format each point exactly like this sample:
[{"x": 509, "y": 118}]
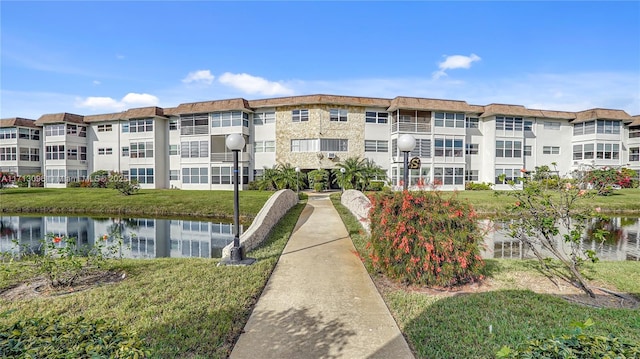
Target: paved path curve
[{"x": 320, "y": 302}]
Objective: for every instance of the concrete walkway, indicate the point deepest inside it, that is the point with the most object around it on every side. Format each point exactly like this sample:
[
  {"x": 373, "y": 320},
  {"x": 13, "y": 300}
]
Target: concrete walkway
[{"x": 320, "y": 302}]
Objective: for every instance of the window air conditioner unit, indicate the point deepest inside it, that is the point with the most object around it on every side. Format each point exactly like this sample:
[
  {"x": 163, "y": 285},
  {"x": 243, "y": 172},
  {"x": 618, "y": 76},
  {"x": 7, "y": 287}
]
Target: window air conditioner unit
[{"x": 331, "y": 155}]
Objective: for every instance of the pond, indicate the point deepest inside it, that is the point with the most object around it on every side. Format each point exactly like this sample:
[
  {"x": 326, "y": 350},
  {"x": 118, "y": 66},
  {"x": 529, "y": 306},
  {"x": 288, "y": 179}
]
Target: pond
[
  {"x": 142, "y": 237},
  {"x": 622, "y": 243}
]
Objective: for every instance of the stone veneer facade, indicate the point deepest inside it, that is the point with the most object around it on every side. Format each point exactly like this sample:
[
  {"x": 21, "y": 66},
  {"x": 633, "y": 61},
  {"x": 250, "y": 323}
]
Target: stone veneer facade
[{"x": 318, "y": 126}]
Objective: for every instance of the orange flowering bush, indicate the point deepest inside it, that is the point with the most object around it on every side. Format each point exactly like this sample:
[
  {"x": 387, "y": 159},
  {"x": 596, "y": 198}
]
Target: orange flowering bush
[{"x": 423, "y": 238}]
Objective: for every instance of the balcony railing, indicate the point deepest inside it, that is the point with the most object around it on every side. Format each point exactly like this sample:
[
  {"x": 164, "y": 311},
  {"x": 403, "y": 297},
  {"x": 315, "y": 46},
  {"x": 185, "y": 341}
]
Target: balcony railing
[
  {"x": 417, "y": 127},
  {"x": 228, "y": 157},
  {"x": 194, "y": 130}
]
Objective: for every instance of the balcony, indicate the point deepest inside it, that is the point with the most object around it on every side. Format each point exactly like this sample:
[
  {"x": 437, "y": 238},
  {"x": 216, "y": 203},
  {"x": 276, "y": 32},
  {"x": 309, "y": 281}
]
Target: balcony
[
  {"x": 415, "y": 127},
  {"x": 228, "y": 157}
]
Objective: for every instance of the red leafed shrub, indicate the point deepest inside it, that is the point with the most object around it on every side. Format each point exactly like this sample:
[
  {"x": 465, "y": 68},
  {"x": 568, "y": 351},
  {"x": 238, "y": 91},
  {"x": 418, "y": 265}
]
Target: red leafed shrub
[{"x": 423, "y": 238}]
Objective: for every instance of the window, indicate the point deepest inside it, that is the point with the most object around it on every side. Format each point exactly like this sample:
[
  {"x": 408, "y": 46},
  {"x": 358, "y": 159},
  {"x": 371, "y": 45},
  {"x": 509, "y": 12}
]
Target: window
[
  {"x": 509, "y": 123},
  {"x": 472, "y": 122},
  {"x": 551, "y": 150},
  {"x": 510, "y": 174},
  {"x": 219, "y": 175},
  {"x": 265, "y": 146},
  {"x": 229, "y": 119},
  {"x": 7, "y": 133},
  {"x": 608, "y": 127},
  {"x": 143, "y": 125},
  {"x": 334, "y": 144},
  {"x": 83, "y": 153},
  {"x": 509, "y": 149},
  {"x": 588, "y": 151},
  {"x": 35, "y": 135},
  {"x": 264, "y": 118},
  {"x": 577, "y": 152},
  {"x": 376, "y": 146},
  {"x": 223, "y": 175},
  {"x": 55, "y": 176},
  {"x": 105, "y": 128},
  {"x": 125, "y": 151},
  {"x": 195, "y": 124},
  {"x": 304, "y": 145},
  {"x": 338, "y": 115},
  {"x": 54, "y": 130},
  {"x": 72, "y": 153},
  {"x": 422, "y": 149},
  {"x": 376, "y": 117},
  {"x": 634, "y": 132},
  {"x": 141, "y": 149},
  {"x": 142, "y": 175},
  {"x": 471, "y": 175},
  {"x": 194, "y": 149},
  {"x": 447, "y": 119},
  {"x": 23, "y": 133},
  {"x": 174, "y": 175},
  {"x": 448, "y": 175},
  {"x": 197, "y": 175},
  {"x": 527, "y": 151},
  {"x": 82, "y": 131},
  {"x": 173, "y": 150},
  {"x": 29, "y": 154},
  {"x": 551, "y": 125},
  {"x": 8, "y": 154},
  {"x": 634, "y": 154},
  {"x": 448, "y": 147},
  {"x": 173, "y": 124},
  {"x": 55, "y": 152},
  {"x": 299, "y": 115},
  {"x": 125, "y": 127},
  {"x": 472, "y": 149},
  {"x": 608, "y": 151},
  {"x": 105, "y": 151},
  {"x": 72, "y": 130},
  {"x": 528, "y": 126}
]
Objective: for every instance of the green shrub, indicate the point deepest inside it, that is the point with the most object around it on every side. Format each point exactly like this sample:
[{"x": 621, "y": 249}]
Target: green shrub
[
  {"x": 473, "y": 186},
  {"x": 73, "y": 184},
  {"x": 54, "y": 337},
  {"x": 375, "y": 186},
  {"x": 34, "y": 180},
  {"x": 99, "y": 179},
  {"x": 422, "y": 238},
  {"x": 575, "y": 345}
]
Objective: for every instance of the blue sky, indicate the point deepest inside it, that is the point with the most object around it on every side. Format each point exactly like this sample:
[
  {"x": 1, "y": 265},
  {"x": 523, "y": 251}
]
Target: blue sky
[{"x": 101, "y": 57}]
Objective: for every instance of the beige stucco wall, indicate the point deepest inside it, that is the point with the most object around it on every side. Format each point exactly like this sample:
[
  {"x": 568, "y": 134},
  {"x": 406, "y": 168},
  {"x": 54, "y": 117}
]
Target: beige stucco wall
[{"x": 318, "y": 126}]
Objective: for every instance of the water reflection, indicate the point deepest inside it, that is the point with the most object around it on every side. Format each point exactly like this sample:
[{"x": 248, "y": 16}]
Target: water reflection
[
  {"x": 142, "y": 237},
  {"x": 621, "y": 243}
]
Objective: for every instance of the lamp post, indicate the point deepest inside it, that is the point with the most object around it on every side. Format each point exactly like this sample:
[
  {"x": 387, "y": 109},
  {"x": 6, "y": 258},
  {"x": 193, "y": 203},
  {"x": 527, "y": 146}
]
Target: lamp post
[
  {"x": 406, "y": 144},
  {"x": 342, "y": 170},
  {"x": 297, "y": 180},
  {"x": 235, "y": 142}
]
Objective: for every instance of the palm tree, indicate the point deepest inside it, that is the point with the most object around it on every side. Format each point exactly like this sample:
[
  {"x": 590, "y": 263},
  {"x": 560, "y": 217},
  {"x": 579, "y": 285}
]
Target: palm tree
[
  {"x": 353, "y": 168},
  {"x": 370, "y": 172},
  {"x": 287, "y": 177}
]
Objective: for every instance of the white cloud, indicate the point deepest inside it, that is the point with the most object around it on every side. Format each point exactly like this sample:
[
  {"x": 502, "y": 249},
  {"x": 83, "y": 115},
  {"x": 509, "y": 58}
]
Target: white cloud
[
  {"x": 130, "y": 100},
  {"x": 254, "y": 85},
  {"x": 455, "y": 62},
  {"x": 200, "y": 76},
  {"x": 96, "y": 82},
  {"x": 119, "y": 57}
]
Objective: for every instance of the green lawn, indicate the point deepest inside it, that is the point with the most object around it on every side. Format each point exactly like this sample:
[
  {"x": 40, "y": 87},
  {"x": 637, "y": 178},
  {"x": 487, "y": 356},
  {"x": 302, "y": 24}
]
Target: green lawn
[
  {"x": 458, "y": 326},
  {"x": 621, "y": 201},
  {"x": 159, "y": 202},
  {"x": 182, "y": 308}
]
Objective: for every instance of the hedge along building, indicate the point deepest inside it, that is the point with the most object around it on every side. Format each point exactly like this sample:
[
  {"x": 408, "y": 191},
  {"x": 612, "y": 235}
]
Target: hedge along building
[{"x": 184, "y": 146}]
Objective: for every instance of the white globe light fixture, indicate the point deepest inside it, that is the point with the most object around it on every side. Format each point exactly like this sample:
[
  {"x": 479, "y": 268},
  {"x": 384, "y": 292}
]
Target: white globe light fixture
[
  {"x": 406, "y": 144},
  {"x": 235, "y": 142}
]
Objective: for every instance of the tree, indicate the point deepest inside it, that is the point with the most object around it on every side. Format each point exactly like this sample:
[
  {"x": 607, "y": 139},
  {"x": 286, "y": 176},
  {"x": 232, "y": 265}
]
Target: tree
[
  {"x": 542, "y": 215},
  {"x": 358, "y": 173},
  {"x": 318, "y": 179}
]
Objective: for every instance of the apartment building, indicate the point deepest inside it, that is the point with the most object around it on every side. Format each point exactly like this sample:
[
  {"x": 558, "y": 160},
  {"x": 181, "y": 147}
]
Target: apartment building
[
  {"x": 20, "y": 146},
  {"x": 184, "y": 146}
]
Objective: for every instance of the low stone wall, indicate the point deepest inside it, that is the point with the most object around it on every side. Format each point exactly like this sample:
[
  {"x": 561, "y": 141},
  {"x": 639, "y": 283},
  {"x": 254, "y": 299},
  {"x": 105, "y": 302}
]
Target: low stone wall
[
  {"x": 276, "y": 206},
  {"x": 359, "y": 206}
]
